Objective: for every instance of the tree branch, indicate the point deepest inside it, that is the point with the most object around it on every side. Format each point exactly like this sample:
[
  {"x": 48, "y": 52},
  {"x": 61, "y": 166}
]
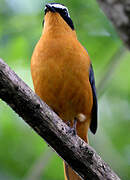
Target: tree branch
[
  {"x": 79, "y": 155},
  {"x": 118, "y": 11}
]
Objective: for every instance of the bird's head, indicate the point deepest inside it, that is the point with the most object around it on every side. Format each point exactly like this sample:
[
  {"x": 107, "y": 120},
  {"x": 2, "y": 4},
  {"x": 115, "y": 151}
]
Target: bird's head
[{"x": 56, "y": 13}]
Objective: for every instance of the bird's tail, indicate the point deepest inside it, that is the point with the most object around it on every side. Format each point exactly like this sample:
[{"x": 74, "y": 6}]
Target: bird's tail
[{"x": 69, "y": 173}]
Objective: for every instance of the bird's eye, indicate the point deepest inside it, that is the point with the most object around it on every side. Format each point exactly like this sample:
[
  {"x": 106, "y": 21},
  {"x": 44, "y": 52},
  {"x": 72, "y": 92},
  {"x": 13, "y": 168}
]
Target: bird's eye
[{"x": 65, "y": 11}]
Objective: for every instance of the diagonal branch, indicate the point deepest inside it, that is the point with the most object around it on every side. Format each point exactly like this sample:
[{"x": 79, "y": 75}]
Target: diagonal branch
[
  {"x": 79, "y": 155},
  {"x": 118, "y": 11}
]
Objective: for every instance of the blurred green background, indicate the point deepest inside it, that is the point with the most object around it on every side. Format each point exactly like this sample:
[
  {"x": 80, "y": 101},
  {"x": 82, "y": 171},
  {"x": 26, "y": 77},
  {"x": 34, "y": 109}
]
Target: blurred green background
[{"x": 23, "y": 154}]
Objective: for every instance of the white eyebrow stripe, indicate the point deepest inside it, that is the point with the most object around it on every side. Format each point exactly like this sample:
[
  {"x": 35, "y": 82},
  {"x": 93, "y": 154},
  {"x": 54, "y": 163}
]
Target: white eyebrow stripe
[{"x": 58, "y": 6}]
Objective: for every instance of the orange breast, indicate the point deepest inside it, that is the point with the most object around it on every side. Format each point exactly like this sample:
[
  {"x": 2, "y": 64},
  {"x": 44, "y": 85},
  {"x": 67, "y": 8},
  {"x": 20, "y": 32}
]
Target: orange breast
[{"x": 60, "y": 72}]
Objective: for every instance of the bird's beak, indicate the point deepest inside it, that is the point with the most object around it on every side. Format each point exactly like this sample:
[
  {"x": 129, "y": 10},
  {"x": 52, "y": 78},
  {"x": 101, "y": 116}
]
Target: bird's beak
[{"x": 50, "y": 8}]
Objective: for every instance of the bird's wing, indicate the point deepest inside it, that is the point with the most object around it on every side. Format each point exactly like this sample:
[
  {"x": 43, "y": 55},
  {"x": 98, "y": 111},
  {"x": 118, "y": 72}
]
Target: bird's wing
[{"x": 93, "y": 125}]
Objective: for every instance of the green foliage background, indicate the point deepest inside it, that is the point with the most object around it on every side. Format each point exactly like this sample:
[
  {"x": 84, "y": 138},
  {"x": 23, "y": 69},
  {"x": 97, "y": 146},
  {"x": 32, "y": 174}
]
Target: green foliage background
[{"x": 23, "y": 154}]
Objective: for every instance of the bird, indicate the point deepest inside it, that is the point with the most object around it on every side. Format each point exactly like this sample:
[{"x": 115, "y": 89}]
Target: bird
[{"x": 63, "y": 75}]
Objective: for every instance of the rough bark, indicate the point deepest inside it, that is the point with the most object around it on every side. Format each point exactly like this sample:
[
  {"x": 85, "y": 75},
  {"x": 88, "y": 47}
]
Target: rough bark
[
  {"x": 80, "y": 156},
  {"x": 118, "y": 11}
]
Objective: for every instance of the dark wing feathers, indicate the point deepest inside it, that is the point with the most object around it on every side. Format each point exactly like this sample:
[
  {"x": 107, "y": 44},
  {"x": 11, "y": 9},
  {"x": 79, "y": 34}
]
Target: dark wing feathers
[{"x": 93, "y": 125}]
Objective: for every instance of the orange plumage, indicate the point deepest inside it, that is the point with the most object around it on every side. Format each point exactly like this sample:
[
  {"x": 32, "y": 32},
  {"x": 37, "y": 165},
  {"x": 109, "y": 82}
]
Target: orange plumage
[{"x": 60, "y": 68}]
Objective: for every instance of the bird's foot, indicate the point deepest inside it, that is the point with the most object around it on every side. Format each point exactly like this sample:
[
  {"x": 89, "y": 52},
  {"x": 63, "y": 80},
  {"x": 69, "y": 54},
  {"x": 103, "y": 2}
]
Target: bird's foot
[
  {"x": 68, "y": 123},
  {"x": 73, "y": 129}
]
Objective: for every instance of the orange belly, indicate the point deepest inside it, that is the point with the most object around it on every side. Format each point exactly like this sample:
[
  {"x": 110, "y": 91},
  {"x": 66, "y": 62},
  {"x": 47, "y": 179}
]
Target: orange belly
[{"x": 63, "y": 81}]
